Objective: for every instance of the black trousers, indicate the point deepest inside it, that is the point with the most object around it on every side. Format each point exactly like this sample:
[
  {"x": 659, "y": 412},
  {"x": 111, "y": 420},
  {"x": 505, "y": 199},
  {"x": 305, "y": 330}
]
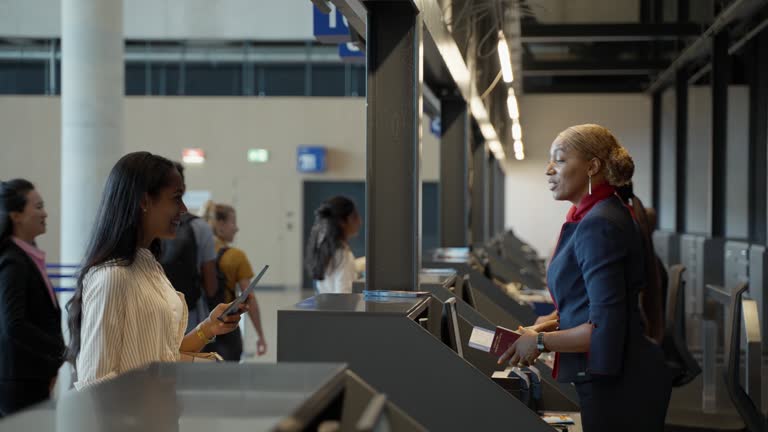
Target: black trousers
[
  {"x": 229, "y": 346},
  {"x": 18, "y": 395},
  {"x": 627, "y": 404}
]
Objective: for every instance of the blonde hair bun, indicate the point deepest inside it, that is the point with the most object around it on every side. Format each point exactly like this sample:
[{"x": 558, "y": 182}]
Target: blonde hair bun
[
  {"x": 595, "y": 141},
  {"x": 619, "y": 167}
]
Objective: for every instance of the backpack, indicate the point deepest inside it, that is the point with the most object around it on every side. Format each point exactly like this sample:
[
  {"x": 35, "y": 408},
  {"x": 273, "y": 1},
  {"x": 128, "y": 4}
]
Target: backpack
[
  {"x": 221, "y": 282},
  {"x": 179, "y": 260}
]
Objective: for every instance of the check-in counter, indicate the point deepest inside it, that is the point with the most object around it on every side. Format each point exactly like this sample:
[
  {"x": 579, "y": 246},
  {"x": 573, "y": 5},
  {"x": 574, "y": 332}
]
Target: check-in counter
[
  {"x": 221, "y": 396},
  {"x": 555, "y": 396},
  {"x": 394, "y": 344}
]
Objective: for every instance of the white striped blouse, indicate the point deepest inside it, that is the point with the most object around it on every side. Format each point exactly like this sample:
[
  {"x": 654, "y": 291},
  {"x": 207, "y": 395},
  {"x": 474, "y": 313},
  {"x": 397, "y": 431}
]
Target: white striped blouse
[{"x": 132, "y": 316}]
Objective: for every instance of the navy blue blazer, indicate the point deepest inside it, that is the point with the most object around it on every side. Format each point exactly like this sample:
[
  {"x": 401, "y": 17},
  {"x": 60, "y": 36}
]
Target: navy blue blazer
[{"x": 595, "y": 275}]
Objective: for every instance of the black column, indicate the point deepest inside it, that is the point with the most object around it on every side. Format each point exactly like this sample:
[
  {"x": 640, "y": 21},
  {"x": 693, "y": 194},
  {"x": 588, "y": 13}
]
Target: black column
[
  {"x": 656, "y": 151},
  {"x": 683, "y": 11},
  {"x": 721, "y": 76},
  {"x": 454, "y": 176},
  {"x": 499, "y": 201},
  {"x": 681, "y": 147},
  {"x": 491, "y": 194},
  {"x": 393, "y": 181},
  {"x": 478, "y": 191},
  {"x": 758, "y": 138},
  {"x": 721, "y": 71}
]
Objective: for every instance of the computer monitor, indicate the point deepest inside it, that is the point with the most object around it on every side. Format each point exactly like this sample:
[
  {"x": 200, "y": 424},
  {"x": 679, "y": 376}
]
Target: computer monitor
[
  {"x": 747, "y": 397},
  {"x": 450, "y": 333},
  {"x": 463, "y": 290}
]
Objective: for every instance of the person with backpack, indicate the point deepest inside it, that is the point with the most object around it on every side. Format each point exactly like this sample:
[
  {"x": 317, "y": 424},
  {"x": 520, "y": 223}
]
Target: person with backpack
[
  {"x": 234, "y": 275},
  {"x": 189, "y": 261}
]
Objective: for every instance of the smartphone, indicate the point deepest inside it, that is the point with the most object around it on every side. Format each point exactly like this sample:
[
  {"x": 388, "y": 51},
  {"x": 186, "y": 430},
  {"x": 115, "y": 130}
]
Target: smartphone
[{"x": 235, "y": 305}]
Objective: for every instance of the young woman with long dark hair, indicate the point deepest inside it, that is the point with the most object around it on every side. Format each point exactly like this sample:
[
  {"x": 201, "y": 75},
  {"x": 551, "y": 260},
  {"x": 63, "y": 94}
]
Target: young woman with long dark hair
[
  {"x": 329, "y": 258},
  {"x": 125, "y": 313}
]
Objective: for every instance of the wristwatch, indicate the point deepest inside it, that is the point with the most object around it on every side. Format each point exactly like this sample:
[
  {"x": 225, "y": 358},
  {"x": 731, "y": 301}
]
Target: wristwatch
[{"x": 540, "y": 342}]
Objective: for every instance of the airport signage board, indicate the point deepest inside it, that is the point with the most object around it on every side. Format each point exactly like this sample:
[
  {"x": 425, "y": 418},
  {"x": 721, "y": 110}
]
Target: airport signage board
[
  {"x": 258, "y": 155},
  {"x": 350, "y": 53},
  {"x": 193, "y": 156},
  {"x": 330, "y": 28},
  {"x": 311, "y": 159},
  {"x": 435, "y": 127}
]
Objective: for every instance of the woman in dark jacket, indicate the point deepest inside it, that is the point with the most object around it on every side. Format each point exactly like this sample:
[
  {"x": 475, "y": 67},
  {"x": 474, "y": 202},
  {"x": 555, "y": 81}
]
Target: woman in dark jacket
[
  {"x": 600, "y": 265},
  {"x": 30, "y": 317}
]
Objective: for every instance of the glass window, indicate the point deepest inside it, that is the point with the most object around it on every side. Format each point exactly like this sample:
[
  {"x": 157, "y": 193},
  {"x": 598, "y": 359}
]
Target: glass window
[
  {"x": 166, "y": 79},
  {"x": 135, "y": 78},
  {"x": 58, "y": 77},
  {"x": 328, "y": 80},
  {"x": 284, "y": 80},
  {"x": 22, "y": 77},
  {"x": 358, "y": 80},
  {"x": 213, "y": 79}
]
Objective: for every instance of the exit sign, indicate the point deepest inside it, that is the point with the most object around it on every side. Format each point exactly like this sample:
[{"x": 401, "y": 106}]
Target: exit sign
[{"x": 258, "y": 155}]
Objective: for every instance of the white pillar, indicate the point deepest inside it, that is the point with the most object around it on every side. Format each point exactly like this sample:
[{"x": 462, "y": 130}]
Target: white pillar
[{"x": 91, "y": 113}]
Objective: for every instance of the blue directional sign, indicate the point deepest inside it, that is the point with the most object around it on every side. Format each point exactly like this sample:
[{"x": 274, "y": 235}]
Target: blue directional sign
[
  {"x": 435, "y": 127},
  {"x": 311, "y": 159},
  {"x": 330, "y": 28},
  {"x": 350, "y": 53}
]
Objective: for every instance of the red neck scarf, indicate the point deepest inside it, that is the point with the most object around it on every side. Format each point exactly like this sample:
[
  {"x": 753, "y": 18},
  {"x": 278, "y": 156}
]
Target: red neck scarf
[{"x": 599, "y": 193}]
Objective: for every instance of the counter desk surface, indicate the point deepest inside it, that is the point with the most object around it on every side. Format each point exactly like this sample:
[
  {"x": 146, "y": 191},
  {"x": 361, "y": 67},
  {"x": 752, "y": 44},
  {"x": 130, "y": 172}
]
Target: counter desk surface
[{"x": 194, "y": 397}]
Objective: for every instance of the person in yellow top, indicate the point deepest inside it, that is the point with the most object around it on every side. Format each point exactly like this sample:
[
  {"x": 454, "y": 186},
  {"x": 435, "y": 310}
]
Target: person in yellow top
[{"x": 235, "y": 274}]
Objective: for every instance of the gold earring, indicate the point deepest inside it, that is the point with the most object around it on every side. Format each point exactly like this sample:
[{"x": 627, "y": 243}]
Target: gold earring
[{"x": 590, "y": 184}]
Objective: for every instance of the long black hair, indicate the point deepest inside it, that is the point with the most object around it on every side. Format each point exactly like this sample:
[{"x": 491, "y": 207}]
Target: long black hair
[
  {"x": 118, "y": 225},
  {"x": 651, "y": 299},
  {"x": 327, "y": 234},
  {"x": 13, "y": 198}
]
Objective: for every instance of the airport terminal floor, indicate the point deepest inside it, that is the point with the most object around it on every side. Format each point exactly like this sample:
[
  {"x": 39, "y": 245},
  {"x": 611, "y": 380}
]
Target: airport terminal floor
[{"x": 384, "y": 215}]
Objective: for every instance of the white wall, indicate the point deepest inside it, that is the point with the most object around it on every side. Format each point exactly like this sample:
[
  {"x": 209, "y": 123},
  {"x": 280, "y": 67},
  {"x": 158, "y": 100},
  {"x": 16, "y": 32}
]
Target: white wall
[
  {"x": 174, "y": 19},
  {"x": 268, "y": 197},
  {"x": 31, "y": 148},
  {"x": 668, "y": 182},
  {"x": 531, "y": 212}
]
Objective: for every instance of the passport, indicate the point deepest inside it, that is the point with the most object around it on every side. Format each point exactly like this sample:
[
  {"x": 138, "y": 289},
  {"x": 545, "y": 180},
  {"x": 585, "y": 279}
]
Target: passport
[{"x": 494, "y": 342}]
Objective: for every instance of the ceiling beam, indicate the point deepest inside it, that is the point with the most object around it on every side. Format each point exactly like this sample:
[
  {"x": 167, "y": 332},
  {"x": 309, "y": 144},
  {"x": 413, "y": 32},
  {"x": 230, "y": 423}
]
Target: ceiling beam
[
  {"x": 564, "y": 33},
  {"x": 594, "y": 85},
  {"x": 591, "y": 67},
  {"x": 736, "y": 11}
]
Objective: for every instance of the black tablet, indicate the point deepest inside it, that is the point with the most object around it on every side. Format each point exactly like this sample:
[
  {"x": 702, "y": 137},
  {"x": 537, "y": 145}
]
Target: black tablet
[{"x": 235, "y": 305}]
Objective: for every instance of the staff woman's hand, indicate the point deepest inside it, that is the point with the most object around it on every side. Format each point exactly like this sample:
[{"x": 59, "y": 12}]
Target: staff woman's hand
[
  {"x": 523, "y": 351},
  {"x": 214, "y": 327},
  {"x": 545, "y": 326},
  {"x": 546, "y": 318}
]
